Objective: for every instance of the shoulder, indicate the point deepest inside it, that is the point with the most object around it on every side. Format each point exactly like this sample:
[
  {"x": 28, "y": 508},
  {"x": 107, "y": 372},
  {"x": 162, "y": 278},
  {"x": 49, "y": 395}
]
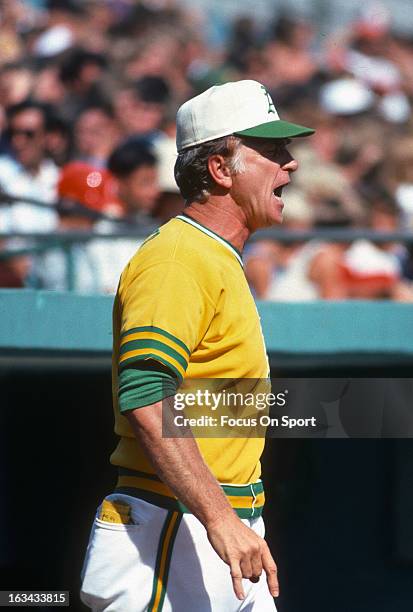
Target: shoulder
[
  {"x": 179, "y": 243},
  {"x": 176, "y": 252},
  {"x": 8, "y": 165}
]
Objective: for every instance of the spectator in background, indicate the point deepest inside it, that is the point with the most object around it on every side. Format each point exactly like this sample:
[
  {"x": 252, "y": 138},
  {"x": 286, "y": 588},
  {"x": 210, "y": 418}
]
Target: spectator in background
[
  {"x": 140, "y": 107},
  {"x": 164, "y": 47},
  {"x": 361, "y": 154},
  {"x": 400, "y": 50},
  {"x": 242, "y": 42},
  {"x": 13, "y": 13},
  {"x": 398, "y": 175},
  {"x": 58, "y": 138},
  {"x": 100, "y": 17},
  {"x": 47, "y": 87},
  {"x": 10, "y": 275},
  {"x": 329, "y": 191},
  {"x": 296, "y": 271},
  {"x": 64, "y": 24},
  {"x": 27, "y": 172},
  {"x": 398, "y": 178},
  {"x": 135, "y": 166},
  {"x": 16, "y": 81},
  {"x": 374, "y": 270},
  {"x": 288, "y": 55},
  {"x": 366, "y": 53},
  {"x": 95, "y": 134},
  {"x": 81, "y": 73},
  {"x": 86, "y": 194}
]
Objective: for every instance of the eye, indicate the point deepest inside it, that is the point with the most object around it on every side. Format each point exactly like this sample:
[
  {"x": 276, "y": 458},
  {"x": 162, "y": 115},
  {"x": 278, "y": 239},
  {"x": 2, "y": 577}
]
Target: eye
[
  {"x": 278, "y": 146},
  {"x": 276, "y": 150}
]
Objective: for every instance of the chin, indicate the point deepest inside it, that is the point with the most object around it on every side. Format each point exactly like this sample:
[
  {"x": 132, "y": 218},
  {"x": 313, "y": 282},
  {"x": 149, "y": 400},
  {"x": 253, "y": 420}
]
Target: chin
[
  {"x": 276, "y": 219},
  {"x": 277, "y": 213}
]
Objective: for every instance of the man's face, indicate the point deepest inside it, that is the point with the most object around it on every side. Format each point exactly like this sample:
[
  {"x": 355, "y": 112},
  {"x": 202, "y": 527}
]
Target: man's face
[
  {"x": 140, "y": 190},
  {"x": 136, "y": 116},
  {"x": 94, "y": 133},
  {"x": 27, "y": 137},
  {"x": 258, "y": 189}
]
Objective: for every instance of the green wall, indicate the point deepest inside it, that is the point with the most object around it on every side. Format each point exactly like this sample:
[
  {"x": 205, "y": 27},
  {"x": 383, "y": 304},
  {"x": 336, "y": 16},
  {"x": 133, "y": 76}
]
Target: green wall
[{"x": 66, "y": 321}]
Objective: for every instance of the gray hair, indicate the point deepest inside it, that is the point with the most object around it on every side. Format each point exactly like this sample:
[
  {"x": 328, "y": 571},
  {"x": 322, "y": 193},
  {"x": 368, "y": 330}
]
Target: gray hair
[{"x": 191, "y": 167}]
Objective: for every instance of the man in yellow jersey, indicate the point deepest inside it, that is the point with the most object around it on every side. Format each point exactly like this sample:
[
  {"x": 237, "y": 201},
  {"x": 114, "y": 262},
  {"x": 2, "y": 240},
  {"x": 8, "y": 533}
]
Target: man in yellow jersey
[{"x": 183, "y": 529}]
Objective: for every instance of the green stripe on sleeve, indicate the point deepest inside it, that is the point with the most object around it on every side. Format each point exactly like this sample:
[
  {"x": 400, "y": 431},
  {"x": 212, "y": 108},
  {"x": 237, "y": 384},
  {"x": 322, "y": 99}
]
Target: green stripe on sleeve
[
  {"x": 156, "y": 344},
  {"x": 145, "y": 357},
  {"x": 158, "y": 330}
]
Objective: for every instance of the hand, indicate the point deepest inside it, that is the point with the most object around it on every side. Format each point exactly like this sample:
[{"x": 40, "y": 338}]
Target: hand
[{"x": 246, "y": 553}]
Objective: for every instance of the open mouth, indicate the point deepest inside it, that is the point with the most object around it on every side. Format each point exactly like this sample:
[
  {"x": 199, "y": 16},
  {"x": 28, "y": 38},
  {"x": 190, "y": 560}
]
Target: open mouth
[{"x": 278, "y": 191}]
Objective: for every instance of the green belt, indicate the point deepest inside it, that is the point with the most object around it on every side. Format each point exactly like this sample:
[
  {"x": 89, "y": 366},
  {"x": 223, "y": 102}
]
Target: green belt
[{"x": 246, "y": 500}]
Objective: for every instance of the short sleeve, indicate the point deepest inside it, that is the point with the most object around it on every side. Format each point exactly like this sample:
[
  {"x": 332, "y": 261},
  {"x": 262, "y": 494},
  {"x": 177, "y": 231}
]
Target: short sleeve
[{"x": 164, "y": 316}]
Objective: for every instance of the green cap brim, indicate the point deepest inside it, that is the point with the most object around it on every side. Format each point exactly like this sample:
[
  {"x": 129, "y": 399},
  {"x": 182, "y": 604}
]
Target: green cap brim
[{"x": 277, "y": 129}]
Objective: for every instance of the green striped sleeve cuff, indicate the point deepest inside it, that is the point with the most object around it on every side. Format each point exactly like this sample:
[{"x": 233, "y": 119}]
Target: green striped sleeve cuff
[{"x": 139, "y": 388}]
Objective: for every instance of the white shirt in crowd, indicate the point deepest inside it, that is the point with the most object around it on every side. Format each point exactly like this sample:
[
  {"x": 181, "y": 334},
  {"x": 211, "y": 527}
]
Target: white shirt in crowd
[
  {"x": 97, "y": 263},
  {"x": 16, "y": 181}
]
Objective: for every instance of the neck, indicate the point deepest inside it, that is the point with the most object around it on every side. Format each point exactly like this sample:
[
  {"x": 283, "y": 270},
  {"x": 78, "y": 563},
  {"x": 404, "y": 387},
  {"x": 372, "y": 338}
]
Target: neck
[
  {"x": 225, "y": 219},
  {"x": 32, "y": 168}
]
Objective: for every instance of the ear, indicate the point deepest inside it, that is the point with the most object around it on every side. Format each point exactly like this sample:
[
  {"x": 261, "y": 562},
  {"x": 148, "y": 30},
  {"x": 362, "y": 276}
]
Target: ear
[{"x": 219, "y": 170}]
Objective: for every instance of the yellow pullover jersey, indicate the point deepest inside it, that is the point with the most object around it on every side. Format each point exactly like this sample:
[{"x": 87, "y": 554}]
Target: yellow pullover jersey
[{"x": 184, "y": 301}]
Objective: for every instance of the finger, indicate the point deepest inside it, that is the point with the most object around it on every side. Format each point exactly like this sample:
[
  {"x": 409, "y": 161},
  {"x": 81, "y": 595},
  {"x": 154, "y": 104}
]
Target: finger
[
  {"x": 246, "y": 568},
  {"x": 256, "y": 566},
  {"x": 236, "y": 576},
  {"x": 270, "y": 569}
]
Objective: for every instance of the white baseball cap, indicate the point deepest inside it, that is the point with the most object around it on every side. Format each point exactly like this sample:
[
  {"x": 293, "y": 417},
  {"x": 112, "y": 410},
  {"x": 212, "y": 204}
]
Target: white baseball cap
[
  {"x": 244, "y": 108},
  {"x": 346, "y": 97}
]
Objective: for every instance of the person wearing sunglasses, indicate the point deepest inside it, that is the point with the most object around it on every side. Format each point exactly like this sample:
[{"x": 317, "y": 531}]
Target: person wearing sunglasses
[{"x": 27, "y": 172}]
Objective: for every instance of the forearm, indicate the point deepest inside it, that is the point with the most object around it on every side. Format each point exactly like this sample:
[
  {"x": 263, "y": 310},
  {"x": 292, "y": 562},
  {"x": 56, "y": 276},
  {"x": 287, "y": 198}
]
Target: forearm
[{"x": 179, "y": 464}]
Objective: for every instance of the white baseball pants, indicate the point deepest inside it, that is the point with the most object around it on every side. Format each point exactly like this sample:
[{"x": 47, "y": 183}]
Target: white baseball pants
[{"x": 161, "y": 561}]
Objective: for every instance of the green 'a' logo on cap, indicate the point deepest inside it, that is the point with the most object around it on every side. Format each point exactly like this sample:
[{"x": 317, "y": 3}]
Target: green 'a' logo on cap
[{"x": 271, "y": 107}]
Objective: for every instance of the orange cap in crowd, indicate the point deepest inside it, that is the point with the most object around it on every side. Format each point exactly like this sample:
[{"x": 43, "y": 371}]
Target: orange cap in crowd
[{"x": 92, "y": 187}]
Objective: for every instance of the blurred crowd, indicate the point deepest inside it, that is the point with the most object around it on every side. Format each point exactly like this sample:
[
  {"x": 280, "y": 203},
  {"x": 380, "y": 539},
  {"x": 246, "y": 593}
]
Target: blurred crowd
[{"x": 88, "y": 95}]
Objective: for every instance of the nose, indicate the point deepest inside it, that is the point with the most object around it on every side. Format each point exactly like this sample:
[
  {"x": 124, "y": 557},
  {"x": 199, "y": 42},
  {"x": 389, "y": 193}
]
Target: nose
[
  {"x": 19, "y": 141},
  {"x": 291, "y": 164}
]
